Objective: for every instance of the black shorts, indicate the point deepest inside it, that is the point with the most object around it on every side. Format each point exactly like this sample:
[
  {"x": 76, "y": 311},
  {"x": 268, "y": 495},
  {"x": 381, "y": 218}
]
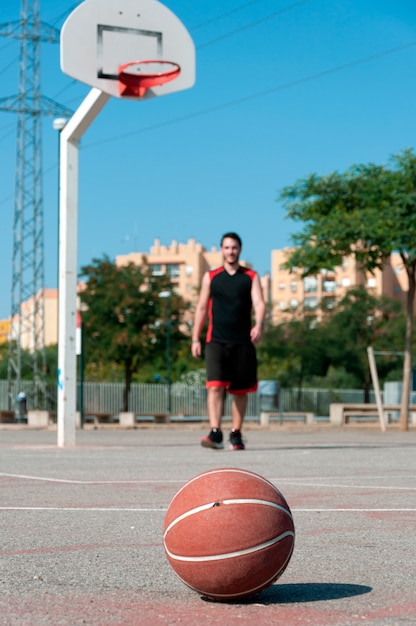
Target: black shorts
[{"x": 232, "y": 366}]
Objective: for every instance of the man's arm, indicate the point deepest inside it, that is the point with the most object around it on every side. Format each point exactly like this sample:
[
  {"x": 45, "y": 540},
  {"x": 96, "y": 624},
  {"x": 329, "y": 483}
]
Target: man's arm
[
  {"x": 200, "y": 315},
  {"x": 259, "y": 309}
]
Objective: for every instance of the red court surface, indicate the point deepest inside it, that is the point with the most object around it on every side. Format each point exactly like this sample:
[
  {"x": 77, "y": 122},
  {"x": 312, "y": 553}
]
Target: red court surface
[{"x": 81, "y": 529}]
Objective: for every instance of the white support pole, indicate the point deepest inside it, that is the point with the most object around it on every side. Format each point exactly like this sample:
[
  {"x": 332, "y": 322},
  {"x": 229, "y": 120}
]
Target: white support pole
[
  {"x": 68, "y": 235},
  {"x": 374, "y": 376}
]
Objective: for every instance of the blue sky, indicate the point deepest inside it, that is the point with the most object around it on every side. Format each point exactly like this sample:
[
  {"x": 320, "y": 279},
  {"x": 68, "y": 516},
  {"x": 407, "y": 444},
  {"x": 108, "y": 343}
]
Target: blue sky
[{"x": 284, "y": 88}]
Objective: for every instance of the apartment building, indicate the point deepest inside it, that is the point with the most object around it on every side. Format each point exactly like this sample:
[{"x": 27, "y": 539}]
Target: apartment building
[
  {"x": 185, "y": 264},
  {"x": 286, "y": 293},
  {"x": 293, "y": 295},
  {"x": 50, "y": 320}
]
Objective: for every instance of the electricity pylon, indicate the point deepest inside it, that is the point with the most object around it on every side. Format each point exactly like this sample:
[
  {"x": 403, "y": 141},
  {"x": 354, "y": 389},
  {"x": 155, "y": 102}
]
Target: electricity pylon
[{"x": 27, "y": 345}]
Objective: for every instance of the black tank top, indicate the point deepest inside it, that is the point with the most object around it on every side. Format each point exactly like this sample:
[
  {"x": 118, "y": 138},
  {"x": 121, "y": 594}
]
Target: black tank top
[{"x": 230, "y": 306}]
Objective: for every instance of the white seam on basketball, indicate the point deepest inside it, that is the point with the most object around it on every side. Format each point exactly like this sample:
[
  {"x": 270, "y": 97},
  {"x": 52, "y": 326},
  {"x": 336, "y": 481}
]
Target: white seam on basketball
[
  {"x": 246, "y": 592},
  {"x": 198, "y": 509},
  {"x": 255, "y": 589},
  {"x": 204, "y": 507},
  {"x": 227, "y": 469},
  {"x": 230, "y": 555},
  {"x": 255, "y": 501}
]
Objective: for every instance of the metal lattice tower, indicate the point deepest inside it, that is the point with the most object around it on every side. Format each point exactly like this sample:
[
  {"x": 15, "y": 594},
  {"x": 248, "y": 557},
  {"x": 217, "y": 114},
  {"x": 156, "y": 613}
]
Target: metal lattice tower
[{"x": 27, "y": 346}]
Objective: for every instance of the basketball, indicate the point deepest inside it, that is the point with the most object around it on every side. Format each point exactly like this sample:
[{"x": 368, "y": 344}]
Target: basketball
[{"x": 228, "y": 534}]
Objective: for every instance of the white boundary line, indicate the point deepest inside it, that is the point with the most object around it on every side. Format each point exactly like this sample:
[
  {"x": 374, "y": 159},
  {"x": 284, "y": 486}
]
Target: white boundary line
[
  {"x": 90, "y": 482},
  {"x": 338, "y": 486},
  {"x": 164, "y": 509},
  {"x": 291, "y": 481}
]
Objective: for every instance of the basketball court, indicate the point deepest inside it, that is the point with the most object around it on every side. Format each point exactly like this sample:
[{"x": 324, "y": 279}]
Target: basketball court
[{"x": 82, "y": 527}]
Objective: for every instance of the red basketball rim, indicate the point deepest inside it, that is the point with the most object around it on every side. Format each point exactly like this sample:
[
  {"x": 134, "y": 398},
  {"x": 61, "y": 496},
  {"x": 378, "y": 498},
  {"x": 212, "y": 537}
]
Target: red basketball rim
[{"x": 131, "y": 74}]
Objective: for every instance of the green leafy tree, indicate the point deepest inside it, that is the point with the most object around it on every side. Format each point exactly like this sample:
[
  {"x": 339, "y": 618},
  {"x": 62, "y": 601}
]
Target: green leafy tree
[
  {"x": 4, "y": 359},
  {"x": 124, "y": 317},
  {"x": 360, "y": 320},
  {"x": 292, "y": 352},
  {"x": 51, "y": 354},
  {"x": 369, "y": 211}
]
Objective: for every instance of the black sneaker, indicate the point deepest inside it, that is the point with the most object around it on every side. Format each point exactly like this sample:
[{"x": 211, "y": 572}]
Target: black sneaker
[
  {"x": 213, "y": 440},
  {"x": 236, "y": 442}
]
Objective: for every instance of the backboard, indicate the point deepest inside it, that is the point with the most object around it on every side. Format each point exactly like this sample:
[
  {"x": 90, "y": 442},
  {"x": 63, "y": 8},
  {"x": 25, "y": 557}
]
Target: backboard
[{"x": 101, "y": 36}]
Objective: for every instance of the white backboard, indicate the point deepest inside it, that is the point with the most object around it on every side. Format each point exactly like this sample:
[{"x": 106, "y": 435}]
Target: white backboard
[{"x": 101, "y": 35}]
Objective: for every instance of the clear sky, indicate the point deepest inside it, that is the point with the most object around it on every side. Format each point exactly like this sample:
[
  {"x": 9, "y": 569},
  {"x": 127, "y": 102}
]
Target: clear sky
[{"x": 284, "y": 88}]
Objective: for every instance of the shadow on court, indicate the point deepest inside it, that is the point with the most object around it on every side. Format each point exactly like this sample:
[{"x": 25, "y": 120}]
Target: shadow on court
[{"x": 311, "y": 592}]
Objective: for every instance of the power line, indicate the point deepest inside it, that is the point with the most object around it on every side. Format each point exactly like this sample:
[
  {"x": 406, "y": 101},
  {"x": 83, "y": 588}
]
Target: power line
[
  {"x": 260, "y": 94},
  {"x": 55, "y": 20},
  {"x": 63, "y": 15},
  {"x": 252, "y": 24},
  {"x": 7, "y": 67},
  {"x": 67, "y": 86},
  {"x": 218, "y": 18}
]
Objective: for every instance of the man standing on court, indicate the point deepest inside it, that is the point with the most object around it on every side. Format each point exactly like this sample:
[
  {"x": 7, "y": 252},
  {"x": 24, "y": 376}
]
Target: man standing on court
[{"x": 228, "y": 296}]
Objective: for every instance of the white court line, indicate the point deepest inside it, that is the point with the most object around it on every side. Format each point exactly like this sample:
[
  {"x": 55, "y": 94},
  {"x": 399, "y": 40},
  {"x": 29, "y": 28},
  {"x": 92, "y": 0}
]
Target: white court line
[
  {"x": 91, "y": 482},
  {"x": 79, "y": 509},
  {"x": 164, "y": 509},
  {"x": 367, "y": 477},
  {"x": 338, "y": 486},
  {"x": 291, "y": 481}
]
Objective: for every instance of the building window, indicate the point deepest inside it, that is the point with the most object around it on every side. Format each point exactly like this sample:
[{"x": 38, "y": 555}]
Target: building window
[
  {"x": 329, "y": 286},
  {"x": 371, "y": 282},
  {"x": 293, "y": 303},
  {"x": 310, "y": 283},
  {"x": 282, "y": 286},
  {"x": 282, "y": 305},
  {"x": 172, "y": 270},
  {"x": 328, "y": 303},
  {"x": 346, "y": 282},
  {"x": 310, "y": 303},
  {"x": 189, "y": 270},
  {"x": 293, "y": 286},
  {"x": 156, "y": 269},
  {"x": 313, "y": 323}
]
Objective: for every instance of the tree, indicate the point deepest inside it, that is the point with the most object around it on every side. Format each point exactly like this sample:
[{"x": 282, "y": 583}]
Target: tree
[
  {"x": 293, "y": 352},
  {"x": 4, "y": 359},
  {"x": 369, "y": 211},
  {"x": 360, "y": 320},
  {"x": 123, "y": 315}
]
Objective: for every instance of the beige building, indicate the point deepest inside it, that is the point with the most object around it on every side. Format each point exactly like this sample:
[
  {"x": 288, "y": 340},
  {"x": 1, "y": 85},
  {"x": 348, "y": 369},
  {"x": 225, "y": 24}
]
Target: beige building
[
  {"x": 184, "y": 263},
  {"x": 286, "y": 293},
  {"x": 50, "y": 325},
  {"x": 293, "y": 295}
]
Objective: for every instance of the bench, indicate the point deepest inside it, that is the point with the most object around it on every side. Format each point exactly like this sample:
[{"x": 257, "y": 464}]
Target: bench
[
  {"x": 306, "y": 416},
  {"x": 98, "y": 418},
  {"x": 127, "y": 419},
  {"x": 342, "y": 413},
  {"x": 7, "y": 417}
]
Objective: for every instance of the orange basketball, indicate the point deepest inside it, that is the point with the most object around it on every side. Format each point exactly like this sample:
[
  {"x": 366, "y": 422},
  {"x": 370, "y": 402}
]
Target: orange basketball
[{"x": 228, "y": 533}]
